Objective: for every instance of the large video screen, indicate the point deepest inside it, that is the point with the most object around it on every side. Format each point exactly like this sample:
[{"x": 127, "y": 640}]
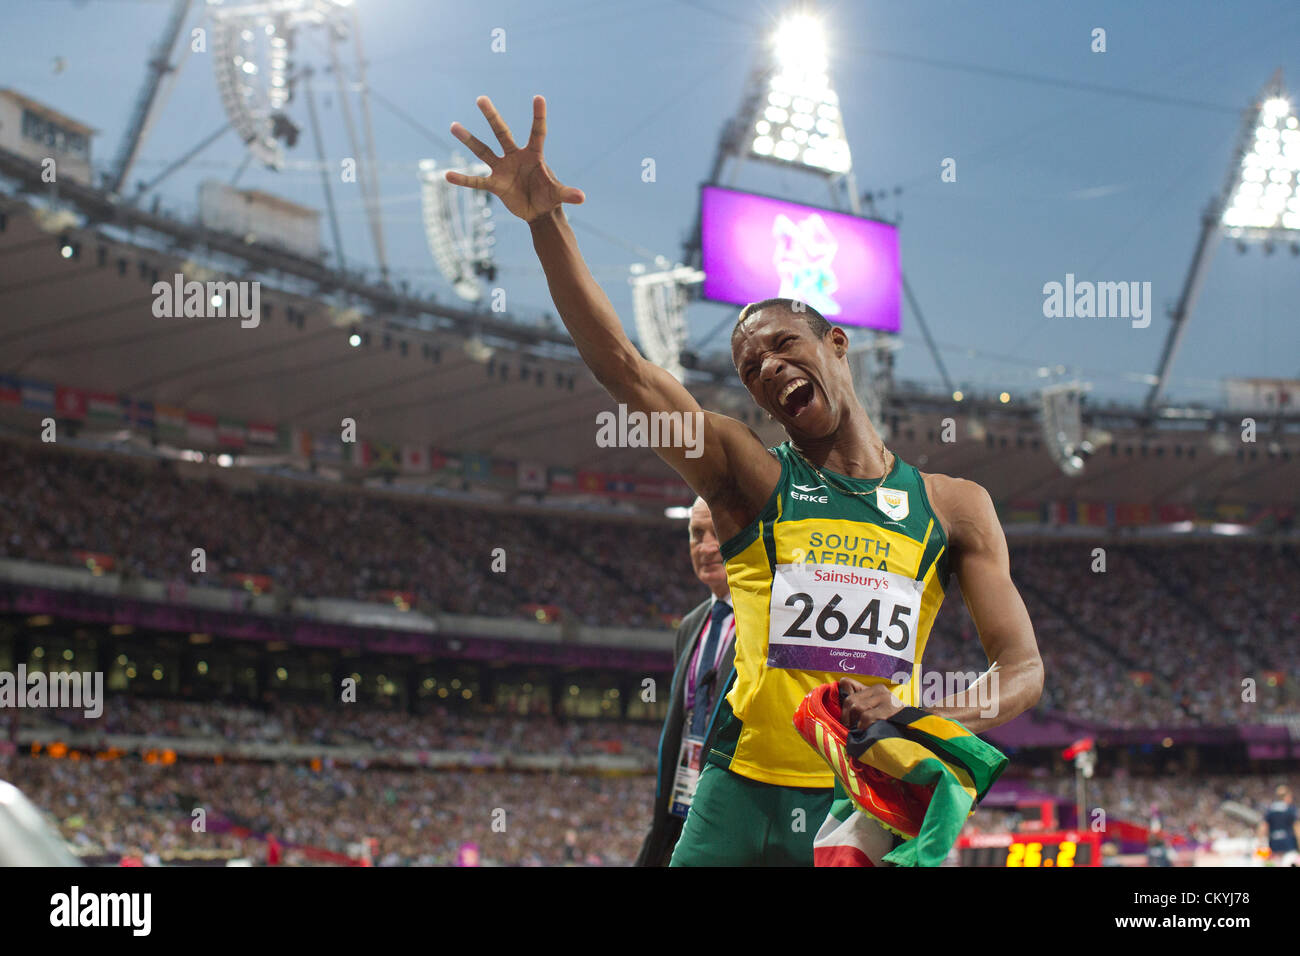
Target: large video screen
[{"x": 756, "y": 247}]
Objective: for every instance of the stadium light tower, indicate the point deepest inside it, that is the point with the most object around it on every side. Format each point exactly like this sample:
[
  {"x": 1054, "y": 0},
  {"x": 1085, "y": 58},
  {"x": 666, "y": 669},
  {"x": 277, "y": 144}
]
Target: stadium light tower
[
  {"x": 160, "y": 68},
  {"x": 1260, "y": 202},
  {"x": 790, "y": 113},
  {"x": 790, "y": 116},
  {"x": 798, "y": 120}
]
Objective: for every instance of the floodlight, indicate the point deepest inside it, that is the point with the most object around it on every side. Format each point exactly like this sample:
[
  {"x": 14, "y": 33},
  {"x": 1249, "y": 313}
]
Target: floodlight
[
  {"x": 1260, "y": 202},
  {"x": 1265, "y": 197},
  {"x": 798, "y": 120}
]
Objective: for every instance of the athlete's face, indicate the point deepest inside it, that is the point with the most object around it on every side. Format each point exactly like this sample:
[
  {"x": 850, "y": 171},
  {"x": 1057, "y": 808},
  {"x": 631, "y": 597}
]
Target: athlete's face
[
  {"x": 706, "y": 558},
  {"x": 797, "y": 378}
]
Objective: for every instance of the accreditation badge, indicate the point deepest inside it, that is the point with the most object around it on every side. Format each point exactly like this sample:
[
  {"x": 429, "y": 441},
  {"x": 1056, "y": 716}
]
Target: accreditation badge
[{"x": 689, "y": 759}]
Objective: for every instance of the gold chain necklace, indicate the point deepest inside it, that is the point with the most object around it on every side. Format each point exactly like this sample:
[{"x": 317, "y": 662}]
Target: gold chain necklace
[{"x": 847, "y": 491}]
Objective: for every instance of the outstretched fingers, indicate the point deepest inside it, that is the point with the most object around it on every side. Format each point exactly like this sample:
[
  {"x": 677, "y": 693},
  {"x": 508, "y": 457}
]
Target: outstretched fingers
[
  {"x": 475, "y": 145},
  {"x": 460, "y": 179},
  {"x": 498, "y": 125},
  {"x": 538, "y": 134}
]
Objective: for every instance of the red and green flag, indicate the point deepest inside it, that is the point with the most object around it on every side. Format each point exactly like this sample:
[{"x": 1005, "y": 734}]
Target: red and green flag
[{"x": 915, "y": 776}]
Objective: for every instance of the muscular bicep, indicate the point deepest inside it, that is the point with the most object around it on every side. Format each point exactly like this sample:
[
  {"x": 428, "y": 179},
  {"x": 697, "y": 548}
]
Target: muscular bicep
[
  {"x": 982, "y": 564},
  {"x": 997, "y": 609}
]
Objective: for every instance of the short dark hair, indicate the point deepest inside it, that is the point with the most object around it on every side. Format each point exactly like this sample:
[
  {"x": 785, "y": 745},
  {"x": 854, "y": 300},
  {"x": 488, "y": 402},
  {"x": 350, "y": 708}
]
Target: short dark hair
[{"x": 815, "y": 320}]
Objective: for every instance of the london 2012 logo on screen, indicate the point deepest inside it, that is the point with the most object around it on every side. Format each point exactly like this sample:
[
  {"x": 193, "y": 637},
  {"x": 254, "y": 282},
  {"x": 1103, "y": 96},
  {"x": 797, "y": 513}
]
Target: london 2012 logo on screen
[{"x": 803, "y": 254}]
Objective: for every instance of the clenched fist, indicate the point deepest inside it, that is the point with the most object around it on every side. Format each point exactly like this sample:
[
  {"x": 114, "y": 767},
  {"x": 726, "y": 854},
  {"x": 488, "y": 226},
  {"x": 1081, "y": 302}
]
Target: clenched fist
[{"x": 862, "y": 704}]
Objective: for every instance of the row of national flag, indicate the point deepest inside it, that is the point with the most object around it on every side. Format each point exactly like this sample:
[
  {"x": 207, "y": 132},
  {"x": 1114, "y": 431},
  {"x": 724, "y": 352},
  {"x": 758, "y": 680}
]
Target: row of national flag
[
  {"x": 109, "y": 410},
  {"x": 181, "y": 427},
  {"x": 327, "y": 447},
  {"x": 178, "y": 426}
]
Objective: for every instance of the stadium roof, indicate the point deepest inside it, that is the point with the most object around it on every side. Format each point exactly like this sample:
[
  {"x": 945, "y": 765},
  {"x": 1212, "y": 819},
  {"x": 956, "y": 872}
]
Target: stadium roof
[{"x": 87, "y": 321}]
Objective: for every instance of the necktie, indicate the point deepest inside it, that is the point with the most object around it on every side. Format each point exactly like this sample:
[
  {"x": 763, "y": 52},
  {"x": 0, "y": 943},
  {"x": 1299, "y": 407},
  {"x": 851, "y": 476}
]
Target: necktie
[{"x": 704, "y": 694}]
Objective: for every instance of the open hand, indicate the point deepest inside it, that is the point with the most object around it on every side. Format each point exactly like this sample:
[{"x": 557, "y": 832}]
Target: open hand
[{"x": 520, "y": 178}]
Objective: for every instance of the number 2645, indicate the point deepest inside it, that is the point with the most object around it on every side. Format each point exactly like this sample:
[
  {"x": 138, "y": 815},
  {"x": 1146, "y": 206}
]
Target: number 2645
[{"x": 832, "y": 624}]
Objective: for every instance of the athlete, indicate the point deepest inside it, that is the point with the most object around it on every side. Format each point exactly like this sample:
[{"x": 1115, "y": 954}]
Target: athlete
[
  {"x": 837, "y": 552},
  {"x": 1281, "y": 829}
]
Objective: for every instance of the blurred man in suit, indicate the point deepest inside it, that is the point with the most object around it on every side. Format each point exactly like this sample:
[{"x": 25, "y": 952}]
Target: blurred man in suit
[{"x": 705, "y": 652}]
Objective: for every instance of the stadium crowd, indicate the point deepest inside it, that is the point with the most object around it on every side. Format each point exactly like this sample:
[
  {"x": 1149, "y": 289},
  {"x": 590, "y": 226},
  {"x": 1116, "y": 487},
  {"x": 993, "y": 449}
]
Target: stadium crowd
[
  {"x": 125, "y": 808},
  {"x": 1166, "y": 635},
  {"x": 419, "y": 817},
  {"x": 1200, "y": 633},
  {"x": 315, "y": 542},
  {"x": 349, "y": 725},
  {"x": 1199, "y": 807}
]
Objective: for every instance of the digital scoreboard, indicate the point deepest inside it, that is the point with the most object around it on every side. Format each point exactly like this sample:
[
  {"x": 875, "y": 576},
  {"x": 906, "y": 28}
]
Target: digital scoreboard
[{"x": 1044, "y": 849}]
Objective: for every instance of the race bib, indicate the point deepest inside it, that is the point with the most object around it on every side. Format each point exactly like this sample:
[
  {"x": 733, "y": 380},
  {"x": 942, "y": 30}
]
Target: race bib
[{"x": 859, "y": 621}]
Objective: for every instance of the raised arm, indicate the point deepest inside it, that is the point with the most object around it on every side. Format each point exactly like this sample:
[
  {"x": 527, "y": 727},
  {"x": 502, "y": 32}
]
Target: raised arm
[{"x": 726, "y": 463}]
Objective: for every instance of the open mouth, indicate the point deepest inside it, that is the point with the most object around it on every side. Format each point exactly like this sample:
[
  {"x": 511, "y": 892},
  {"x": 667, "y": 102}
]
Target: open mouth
[{"x": 796, "y": 396}]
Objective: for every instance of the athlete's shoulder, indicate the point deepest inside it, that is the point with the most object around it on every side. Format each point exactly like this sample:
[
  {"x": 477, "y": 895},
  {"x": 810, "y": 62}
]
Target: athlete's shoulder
[
  {"x": 752, "y": 477},
  {"x": 961, "y": 505},
  {"x": 745, "y": 454},
  {"x": 957, "y": 493}
]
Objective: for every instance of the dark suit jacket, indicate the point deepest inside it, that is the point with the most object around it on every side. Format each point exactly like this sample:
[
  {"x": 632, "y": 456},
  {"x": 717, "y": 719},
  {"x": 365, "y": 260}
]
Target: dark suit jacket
[{"x": 658, "y": 846}]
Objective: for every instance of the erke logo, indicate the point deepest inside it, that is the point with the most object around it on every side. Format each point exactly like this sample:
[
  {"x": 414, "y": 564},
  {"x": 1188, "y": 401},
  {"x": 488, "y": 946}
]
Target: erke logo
[
  {"x": 819, "y": 499},
  {"x": 892, "y": 503}
]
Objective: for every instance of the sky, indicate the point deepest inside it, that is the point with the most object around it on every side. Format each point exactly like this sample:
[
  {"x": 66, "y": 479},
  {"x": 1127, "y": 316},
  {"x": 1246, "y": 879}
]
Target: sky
[{"x": 1068, "y": 161}]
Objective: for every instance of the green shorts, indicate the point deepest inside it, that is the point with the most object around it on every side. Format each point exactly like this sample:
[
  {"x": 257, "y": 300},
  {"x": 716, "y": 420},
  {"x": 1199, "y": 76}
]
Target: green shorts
[{"x": 735, "y": 821}]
